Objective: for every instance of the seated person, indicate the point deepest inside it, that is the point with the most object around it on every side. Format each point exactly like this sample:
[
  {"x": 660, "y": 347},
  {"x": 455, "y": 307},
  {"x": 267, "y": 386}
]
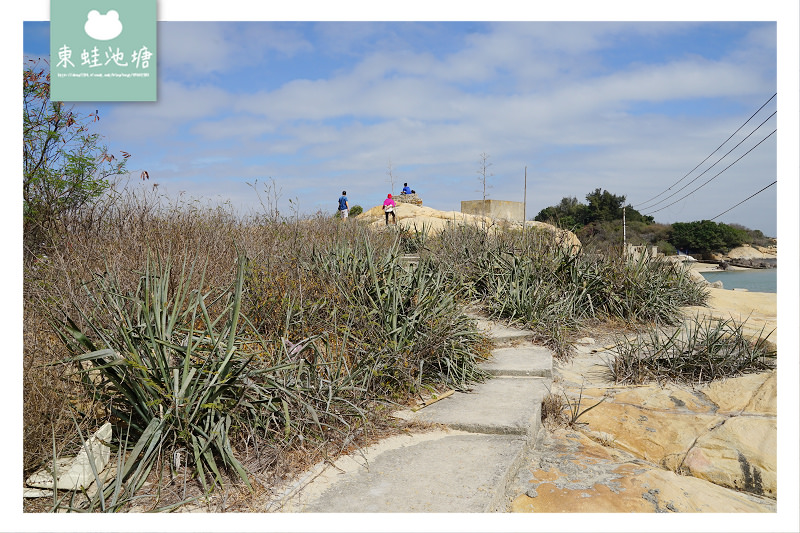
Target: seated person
[{"x": 406, "y": 189}]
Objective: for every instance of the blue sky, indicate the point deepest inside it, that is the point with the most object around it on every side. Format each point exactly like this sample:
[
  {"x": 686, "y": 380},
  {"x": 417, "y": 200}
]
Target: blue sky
[{"x": 319, "y": 107}]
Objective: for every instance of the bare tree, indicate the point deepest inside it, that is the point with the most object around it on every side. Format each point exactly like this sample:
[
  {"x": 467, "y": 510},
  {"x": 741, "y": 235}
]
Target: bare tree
[
  {"x": 483, "y": 176},
  {"x": 392, "y": 177}
]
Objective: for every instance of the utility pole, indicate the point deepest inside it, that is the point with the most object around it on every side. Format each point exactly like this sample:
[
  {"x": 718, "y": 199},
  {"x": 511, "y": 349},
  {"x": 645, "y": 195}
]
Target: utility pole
[
  {"x": 525, "y": 207},
  {"x": 624, "y": 233}
]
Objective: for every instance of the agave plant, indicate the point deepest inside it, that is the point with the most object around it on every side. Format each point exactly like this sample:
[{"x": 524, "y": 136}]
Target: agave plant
[
  {"x": 411, "y": 323},
  {"x": 170, "y": 373}
]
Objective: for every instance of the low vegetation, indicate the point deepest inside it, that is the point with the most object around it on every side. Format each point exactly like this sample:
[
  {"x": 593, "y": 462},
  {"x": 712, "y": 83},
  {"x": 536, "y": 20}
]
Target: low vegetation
[{"x": 699, "y": 351}]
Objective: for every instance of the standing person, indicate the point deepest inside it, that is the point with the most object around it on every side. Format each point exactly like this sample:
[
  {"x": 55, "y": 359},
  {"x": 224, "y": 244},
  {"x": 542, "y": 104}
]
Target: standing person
[
  {"x": 388, "y": 207},
  {"x": 406, "y": 189},
  {"x": 344, "y": 207}
]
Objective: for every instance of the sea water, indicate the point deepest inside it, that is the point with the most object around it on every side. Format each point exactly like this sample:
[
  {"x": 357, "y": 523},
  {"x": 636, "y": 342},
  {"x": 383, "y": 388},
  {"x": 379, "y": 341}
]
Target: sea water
[{"x": 757, "y": 280}]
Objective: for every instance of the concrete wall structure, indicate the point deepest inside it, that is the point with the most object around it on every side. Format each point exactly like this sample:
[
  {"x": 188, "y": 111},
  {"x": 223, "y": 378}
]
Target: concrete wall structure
[{"x": 501, "y": 209}]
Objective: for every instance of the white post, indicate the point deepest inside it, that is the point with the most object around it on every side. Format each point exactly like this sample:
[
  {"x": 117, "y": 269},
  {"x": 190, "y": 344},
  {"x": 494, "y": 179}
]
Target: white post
[
  {"x": 624, "y": 233},
  {"x": 525, "y": 205}
]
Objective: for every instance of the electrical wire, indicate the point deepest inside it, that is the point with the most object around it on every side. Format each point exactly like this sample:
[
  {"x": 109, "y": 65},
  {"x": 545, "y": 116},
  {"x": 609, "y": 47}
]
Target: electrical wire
[
  {"x": 715, "y": 163},
  {"x": 709, "y": 155},
  {"x": 718, "y": 173},
  {"x": 743, "y": 201}
]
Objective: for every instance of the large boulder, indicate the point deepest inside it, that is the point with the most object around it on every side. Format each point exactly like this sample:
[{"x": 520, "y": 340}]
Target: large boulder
[{"x": 751, "y": 252}]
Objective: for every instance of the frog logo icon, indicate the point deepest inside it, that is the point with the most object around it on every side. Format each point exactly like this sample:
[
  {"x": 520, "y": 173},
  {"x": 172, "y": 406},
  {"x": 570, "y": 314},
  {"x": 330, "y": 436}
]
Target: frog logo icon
[{"x": 103, "y": 27}]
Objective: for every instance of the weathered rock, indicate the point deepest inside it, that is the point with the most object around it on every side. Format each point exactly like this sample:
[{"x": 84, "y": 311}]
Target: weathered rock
[
  {"x": 740, "y": 454},
  {"x": 755, "y": 393},
  {"x": 570, "y": 473},
  {"x": 28, "y": 492},
  {"x": 660, "y": 438},
  {"x": 749, "y": 252},
  {"x": 417, "y": 218},
  {"x": 413, "y": 199},
  {"x": 76, "y": 473},
  {"x": 673, "y": 399}
]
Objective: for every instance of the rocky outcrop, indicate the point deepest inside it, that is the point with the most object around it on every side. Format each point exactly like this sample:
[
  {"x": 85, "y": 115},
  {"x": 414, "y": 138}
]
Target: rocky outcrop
[
  {"x": 747, "y": 256},
  {"x": 722, "y": 434},
  {"x": 412, "y": 199},
  {"x": 418, "y": 218}
]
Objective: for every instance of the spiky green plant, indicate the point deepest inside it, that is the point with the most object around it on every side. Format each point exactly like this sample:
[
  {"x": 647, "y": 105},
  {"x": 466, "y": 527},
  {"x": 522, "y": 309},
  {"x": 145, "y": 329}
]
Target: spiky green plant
[
  {"x": 165, "y": 367},
  {"x": 699, "y": 351},
  {"x": 411, "y": 325},
  {"x": 177, "y": 377}
]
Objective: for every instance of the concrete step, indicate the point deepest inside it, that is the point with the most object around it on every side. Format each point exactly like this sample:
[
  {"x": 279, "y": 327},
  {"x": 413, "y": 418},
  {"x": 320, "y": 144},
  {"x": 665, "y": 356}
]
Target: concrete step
[
  {"x": 502, "y": 334},
  {"x": 525, "y": 360},
  {"x": 500, "y": 406},
  {"x": 449, "y": 472}
]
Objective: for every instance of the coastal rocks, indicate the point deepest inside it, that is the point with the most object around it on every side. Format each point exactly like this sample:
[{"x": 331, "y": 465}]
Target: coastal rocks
[
  {"x": 568, "y": 472},
  {"x": 740, "y": 454},
  {"x": 659, "y": 437},
  {"x": 750, "y": 252},
  {"x": 571, "y": 473},
  {"x": 747, "y": 256},
  {"x": 753, "y": 393},
  {"x": 709, "y": 447}
]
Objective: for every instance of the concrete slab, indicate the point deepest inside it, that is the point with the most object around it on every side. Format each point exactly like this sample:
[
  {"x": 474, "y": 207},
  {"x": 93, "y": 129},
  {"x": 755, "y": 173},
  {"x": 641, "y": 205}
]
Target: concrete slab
[
  {"x": 501, "y": 333},
  {"x": 458, "y": 473},
  {"x": 527, "y": 360},
  {"x": 504, "y": 405}
]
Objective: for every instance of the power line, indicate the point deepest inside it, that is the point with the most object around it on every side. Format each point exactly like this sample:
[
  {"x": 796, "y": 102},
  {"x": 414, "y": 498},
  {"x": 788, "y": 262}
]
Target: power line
[
  {"x": 718, "y": 173},
  {"x": 715, "y": 163},
  {"x": 743, "y": 201},
  {"x": 709, "y": 155}
]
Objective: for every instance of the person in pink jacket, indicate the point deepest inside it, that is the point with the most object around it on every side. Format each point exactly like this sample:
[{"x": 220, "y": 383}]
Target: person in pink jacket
[{"x": 388, "y": 207}]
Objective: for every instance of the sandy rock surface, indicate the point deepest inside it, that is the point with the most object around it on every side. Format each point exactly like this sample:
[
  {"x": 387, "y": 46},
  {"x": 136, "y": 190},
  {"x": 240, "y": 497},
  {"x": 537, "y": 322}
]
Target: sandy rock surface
[
  {"x": 662, "y": 448},
  {"x": 411, "y": 216}
]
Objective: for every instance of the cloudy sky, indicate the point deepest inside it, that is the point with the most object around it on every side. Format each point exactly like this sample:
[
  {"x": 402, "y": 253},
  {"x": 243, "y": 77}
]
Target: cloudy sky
[{"x": 318, "y": 107}]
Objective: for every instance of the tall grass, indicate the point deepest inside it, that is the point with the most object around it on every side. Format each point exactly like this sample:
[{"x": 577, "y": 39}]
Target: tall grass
[{"x": 235, "y": 339}]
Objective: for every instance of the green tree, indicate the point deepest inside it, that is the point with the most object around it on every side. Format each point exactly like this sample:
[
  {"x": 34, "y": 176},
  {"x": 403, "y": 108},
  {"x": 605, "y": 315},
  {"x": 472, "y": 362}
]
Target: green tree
[
  {"x": 604, "y": 206},
  {"x": 706, "y": 237},
  {"x": 64, "y": 165},
  {"x": 568, "y": 214}
]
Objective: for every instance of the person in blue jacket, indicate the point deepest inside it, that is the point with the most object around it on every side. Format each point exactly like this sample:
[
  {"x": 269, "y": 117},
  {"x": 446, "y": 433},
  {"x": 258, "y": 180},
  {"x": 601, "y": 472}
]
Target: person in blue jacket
[
  {"x": 406, "y": 189},
  {"x": 344, "y": 207}
]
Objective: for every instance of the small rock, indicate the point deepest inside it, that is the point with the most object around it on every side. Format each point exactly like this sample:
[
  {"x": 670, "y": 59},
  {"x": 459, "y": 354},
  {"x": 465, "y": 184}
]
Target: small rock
[
  {"x": 76, "y": 473},
  {"x": 28, "y": 492}
]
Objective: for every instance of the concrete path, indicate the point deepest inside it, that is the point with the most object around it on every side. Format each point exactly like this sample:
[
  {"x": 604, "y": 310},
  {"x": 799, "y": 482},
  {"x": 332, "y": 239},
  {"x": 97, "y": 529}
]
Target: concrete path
[{"x": 466, "y": 466}]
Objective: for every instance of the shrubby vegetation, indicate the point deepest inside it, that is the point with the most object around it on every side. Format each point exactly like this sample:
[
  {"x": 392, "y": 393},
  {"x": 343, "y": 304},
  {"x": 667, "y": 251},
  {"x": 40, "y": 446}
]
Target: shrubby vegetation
[{"x": 600, "y": 221}]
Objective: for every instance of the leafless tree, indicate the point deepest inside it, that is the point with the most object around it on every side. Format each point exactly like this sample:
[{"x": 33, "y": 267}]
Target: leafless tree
[
  {"x": 483, "y": 176},
  {"x": 392, "y": 177}
]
